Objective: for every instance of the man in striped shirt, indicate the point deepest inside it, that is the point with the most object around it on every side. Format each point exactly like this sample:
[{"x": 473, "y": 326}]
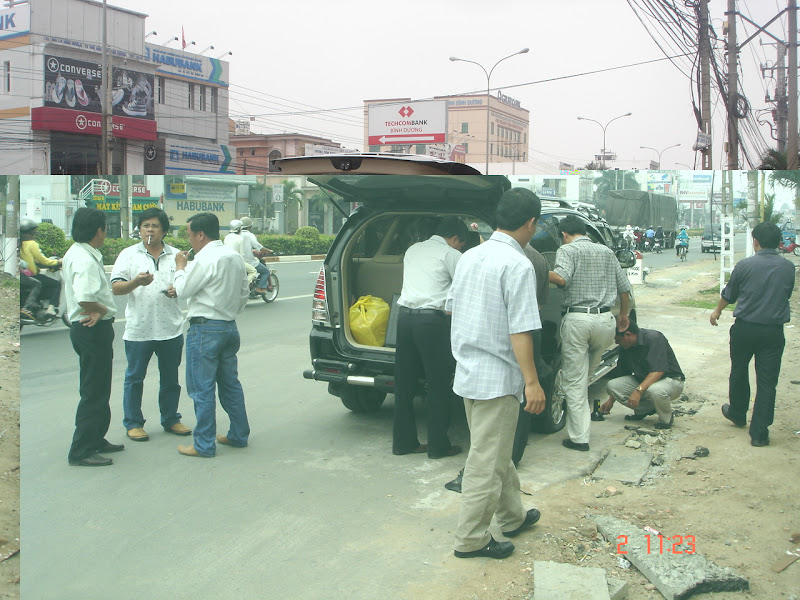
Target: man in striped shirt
[{"x": 494, "y": 311}]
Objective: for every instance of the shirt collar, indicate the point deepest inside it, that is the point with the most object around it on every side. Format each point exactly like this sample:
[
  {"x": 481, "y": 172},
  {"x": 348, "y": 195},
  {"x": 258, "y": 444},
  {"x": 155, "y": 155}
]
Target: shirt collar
[
  {"x": 96, "y": 254},
  {"x": 767, "y": 251},
  {"x": 499, "y": 236},
  {"x": 164, "y": 250}
]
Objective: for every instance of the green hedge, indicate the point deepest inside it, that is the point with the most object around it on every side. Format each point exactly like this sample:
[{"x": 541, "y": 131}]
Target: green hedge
[{"x": 52, "y": 240}]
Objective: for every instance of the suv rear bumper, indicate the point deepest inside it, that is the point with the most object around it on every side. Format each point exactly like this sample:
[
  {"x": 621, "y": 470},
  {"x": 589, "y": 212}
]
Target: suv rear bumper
[
  {"x": 363, "y": 371},
  {"x": 342, "y": 373}
]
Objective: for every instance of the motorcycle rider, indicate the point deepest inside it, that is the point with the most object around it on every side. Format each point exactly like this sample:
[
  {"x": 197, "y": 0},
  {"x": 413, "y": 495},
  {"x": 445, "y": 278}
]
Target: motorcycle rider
[
  {"x": 682, "y": 239},
  {"x": 30, "y": 289},
  {"x": 649, "y": 237},
  {"x": 236, "y": 242},
  {"x": 627, "y": 236},
  {"x": 31, "y": 253},
  {"x": 251, "y": 244},
  {"x": 638, "y": 238},
  {"x": 659, "y": 235}
]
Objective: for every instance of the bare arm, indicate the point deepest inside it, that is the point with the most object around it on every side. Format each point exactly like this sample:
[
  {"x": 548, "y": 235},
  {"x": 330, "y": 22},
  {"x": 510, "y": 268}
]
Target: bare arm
[
  {"x": 94, "y": 311},
  {"x": 522, "y": 345},
  {"x": 623, "y": 321},
  {"x": 715, "y": 314},
  {"x": 554, "y": 277},
  {"x": 636, "y": 395},
  {"x": 120, "y": 288}
]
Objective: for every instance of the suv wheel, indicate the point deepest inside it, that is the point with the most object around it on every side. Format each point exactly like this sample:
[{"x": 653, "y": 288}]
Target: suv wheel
[
  {"x": 554, "y": 416},
  {"x": 358, "y": 399}
]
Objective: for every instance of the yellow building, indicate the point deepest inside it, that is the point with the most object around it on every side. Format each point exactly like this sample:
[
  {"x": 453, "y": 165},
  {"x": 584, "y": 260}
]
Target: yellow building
[{"x": 508, "y": 136}]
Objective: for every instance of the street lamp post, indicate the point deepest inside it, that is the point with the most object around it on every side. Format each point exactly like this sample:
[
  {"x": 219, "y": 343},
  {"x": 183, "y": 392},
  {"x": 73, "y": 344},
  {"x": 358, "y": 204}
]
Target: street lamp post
[
  {"x": 604, "y": 132},
  {"x": 488, "y": 91},
  {"x": 659, "y": 153}
]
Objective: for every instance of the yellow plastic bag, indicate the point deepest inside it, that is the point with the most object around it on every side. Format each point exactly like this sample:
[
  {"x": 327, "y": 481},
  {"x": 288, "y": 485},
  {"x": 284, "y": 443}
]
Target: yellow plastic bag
[{"x": 368, "y": 319}]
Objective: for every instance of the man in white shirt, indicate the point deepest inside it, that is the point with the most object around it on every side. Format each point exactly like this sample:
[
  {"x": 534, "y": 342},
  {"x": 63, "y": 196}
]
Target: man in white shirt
[
  {"x": 216, "y": 290},
  {"x": 251, "y": 244},
  {"x": 236, "y": 242},
  {"x": 90, "y": 309},
  {"x": 423, "y": 340},
  {"x": 153, "y": 324},
  {"x": 494, "y": 307}
]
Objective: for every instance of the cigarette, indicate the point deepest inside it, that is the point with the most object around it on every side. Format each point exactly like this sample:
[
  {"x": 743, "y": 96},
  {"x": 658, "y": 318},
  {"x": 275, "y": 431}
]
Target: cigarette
[{"x": 148, "y": 238}]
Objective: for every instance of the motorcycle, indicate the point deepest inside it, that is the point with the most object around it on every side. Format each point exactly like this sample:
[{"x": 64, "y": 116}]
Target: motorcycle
[
  {"x": 274, "y": 283},
  {"x": 792, "y": 246},
  {"x": 37, "y": 314},
  {"x": 657, "y": 246},
  {"x": 682, "y": 250},
  {"x": 648, "y": 244}
]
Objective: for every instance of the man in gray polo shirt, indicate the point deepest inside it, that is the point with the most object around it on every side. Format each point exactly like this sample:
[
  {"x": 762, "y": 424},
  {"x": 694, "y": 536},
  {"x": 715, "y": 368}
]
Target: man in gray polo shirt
[
  {"x": 592, "y": 280},
  {"x": 761, "y": 287}
]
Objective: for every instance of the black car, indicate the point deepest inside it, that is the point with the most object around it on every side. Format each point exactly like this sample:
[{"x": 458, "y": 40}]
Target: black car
[{"x": 366, "y": 258}]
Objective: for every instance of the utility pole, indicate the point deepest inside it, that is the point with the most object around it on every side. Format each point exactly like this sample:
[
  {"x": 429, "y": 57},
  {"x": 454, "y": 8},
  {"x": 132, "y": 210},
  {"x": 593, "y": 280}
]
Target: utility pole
[
  {"x": 781, "y": 106},
  {"x": 124, "y": 206},
  {"x": 105, "y": 122},
  {"x": 705, "y": 83},
  {"x": 11, "y": 264},
  {"x": 733, "y": 88},
  {"x": 791, "y": 142}
]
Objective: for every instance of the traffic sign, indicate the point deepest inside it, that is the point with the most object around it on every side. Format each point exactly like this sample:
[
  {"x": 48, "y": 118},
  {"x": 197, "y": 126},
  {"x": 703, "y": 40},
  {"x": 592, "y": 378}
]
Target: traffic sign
[{"x": 422, "y": 122}]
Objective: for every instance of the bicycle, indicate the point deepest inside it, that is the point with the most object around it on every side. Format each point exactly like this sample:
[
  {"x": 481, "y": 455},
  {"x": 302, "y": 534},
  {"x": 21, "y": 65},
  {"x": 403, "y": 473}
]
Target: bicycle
[{"x": 682, "y": 250}]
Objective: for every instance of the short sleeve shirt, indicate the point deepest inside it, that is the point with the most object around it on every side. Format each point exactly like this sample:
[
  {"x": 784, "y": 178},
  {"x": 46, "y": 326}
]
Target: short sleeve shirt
[
  {"x": 493, "y": 295},
  {"x": 149, "y": 314},
  {"x": 428, "y": 269},
  {"x": 650, "y": 354},
  {"x": 761, "y": 286},
  {"x": 85, "y": 281}
]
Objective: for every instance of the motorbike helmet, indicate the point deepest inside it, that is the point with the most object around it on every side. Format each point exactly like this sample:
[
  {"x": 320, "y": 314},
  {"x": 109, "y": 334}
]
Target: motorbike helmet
[
  {"x": 235, "y": 225},
  {"x": 247, "y": 222},
  {"x": 27, "y": 225}
]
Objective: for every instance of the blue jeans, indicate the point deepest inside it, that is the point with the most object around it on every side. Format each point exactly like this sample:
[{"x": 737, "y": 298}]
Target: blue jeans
[
  {"x": 263, "y": 276},
  {"x": 211, "y": 362},
  {"x": 168, "y": 353}
]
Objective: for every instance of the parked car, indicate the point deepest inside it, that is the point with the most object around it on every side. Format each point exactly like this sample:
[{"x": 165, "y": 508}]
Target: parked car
[
  {"x": 366, "y": 258},
  {"x": 710, "y": 241}
]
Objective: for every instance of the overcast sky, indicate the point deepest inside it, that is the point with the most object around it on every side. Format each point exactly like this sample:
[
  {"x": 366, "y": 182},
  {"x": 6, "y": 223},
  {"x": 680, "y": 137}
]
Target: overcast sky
[{"x": 321, "y": 54}]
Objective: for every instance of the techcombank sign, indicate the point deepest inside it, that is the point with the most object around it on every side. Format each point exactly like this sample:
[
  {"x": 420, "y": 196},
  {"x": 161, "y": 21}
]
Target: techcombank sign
[{"x": 408, "y": 123}]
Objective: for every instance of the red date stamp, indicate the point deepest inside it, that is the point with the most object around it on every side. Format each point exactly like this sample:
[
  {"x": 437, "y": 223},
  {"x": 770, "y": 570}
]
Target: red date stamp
[{"x": 677, "y": 544}]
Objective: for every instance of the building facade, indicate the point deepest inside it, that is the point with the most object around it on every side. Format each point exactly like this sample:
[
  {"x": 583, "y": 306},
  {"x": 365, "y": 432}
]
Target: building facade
[
  {"x": 253, "y": 153},
  {"x": 169, "y": 107}
]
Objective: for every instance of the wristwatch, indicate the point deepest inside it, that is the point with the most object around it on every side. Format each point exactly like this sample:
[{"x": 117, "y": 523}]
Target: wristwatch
[{"x": 639, "y": 388}]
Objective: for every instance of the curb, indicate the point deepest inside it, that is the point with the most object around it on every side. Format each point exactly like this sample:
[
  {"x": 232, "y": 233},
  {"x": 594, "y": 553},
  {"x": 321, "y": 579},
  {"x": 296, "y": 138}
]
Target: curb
[{"x": 271, "y": 259}]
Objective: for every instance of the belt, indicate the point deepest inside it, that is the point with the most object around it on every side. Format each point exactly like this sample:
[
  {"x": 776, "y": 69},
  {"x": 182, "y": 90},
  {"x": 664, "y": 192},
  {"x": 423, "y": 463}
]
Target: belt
[
  {"x": 588, "y": 310},
  {"x": 422, "y": 311}
]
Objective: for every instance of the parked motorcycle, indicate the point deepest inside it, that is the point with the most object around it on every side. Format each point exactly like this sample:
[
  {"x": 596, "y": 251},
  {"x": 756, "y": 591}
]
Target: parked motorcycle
[
  {"x": 274, "y": 283},
  {"x": 792, "y": 246}
]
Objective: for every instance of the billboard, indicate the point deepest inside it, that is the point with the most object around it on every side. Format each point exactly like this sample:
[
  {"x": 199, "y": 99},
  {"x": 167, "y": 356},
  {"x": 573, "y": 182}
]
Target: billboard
[
  {"x": 187, "y": 64},
  {"x": 407, "y": 123},
  {"x": 182, "y": 158},
  {"x": 15, "y": 21},
  {"x": 77, "y": 85}
]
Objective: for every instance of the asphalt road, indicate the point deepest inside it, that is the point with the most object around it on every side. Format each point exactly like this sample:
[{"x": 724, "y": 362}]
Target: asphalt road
[{"x": 315, "y": 508}]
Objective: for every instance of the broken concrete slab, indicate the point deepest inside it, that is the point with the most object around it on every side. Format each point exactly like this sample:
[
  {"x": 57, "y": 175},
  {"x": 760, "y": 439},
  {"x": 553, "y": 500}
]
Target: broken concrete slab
[
  {"x": 627, "y": 467},
  {"x": 676, "y": 575},
  {"x": 617, "y": 589},
  {"x": 560, "y": 581}
]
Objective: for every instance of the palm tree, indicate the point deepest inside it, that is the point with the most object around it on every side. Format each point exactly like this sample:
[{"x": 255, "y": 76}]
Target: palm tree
[{"x": 292, "y": 194}]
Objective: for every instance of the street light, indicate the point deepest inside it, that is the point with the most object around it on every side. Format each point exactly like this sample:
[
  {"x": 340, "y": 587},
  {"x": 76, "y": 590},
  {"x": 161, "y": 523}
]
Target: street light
[
  {"x": 488, "y": 90},
  {"x": 659, "y": 153},
  {"x": 604, "y": 132}
]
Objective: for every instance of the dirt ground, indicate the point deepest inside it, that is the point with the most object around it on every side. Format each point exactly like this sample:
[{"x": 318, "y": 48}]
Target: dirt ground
[
  {"x": 742, "y": 504},
  {"x": 9, "y": 439}
]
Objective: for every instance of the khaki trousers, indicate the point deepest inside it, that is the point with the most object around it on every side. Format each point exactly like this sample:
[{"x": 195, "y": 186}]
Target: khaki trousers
[
  {"x": 658, "y": 397},
  {"x": 584, "y": 338},
  {"x": 490, "y": 485}
]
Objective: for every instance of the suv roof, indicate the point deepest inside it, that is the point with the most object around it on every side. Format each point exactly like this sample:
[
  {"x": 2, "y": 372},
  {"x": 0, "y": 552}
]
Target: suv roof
[{"x": 371, "y": 164}]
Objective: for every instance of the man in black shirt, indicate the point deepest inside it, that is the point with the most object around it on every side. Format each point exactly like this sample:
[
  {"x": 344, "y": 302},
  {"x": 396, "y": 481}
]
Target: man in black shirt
[
  {"x": 654, "y": 378},
  {"x": 761, "y": 286}
]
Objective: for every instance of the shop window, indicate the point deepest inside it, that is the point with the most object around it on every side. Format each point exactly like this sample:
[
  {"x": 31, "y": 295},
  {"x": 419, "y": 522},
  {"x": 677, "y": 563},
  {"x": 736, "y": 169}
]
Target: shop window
[
  {"x": 492, "y": 129},
  {"x": 213, "y": 100},
  {"x": 161, "y": 91},
  {"x": 421, "y": 148},
  {"x": 203, "y": 98},
  {"x": 465, "y": 128},
  {"x": 191, "y": 96}
]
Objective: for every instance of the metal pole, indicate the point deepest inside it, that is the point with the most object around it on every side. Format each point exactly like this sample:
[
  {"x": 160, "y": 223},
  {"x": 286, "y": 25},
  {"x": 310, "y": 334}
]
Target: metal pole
[
  {"x": 603, "y": 157},
  {"x": 488, "y": 97},
  {"x": 791, "y": 145},
  {"x": 105, "y": 117}
]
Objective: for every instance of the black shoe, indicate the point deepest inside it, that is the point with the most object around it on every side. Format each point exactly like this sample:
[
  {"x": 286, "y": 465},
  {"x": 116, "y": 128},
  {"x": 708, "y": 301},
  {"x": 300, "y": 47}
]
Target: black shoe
[
  {"x": 661, "y": 425},
  {"x": 455, "y": 485},
  {"x": 107, "y": 446},
  {"x": 639, "y": 416},
  {"x": 421, "y": 449},
  {"x": 491, "y": 550},
  {"x": 568, "y": 443},
  {"x": 758, "y": 443},
  {"x": 726, "y": 412},
  {"x": 451, "y": 452},
  {"x": 94, "y": 460},
  {"x": 531, "y": 517}
]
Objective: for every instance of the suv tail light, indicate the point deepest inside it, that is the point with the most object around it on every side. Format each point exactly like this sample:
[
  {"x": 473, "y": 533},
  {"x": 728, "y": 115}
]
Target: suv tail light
[{"x": 319, "y": 306}]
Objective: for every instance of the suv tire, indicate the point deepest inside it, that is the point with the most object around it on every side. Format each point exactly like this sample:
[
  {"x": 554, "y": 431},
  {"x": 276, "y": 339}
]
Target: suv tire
[
  {"x": 554, "y": 416},
  {"x": 358, "y": 399}
]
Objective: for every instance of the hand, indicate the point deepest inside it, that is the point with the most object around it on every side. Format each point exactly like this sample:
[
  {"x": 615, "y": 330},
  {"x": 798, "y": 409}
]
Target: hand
[
  {"x": 181, "y": 260},
  {"x": 145, "y": 278},
  {"x": 622, "y": 322},
  {"x": 715, "y": 314},
  {"x": 171, "y": 292},
  {"x": 92, "y": 317},
  {"x": 534, "y": 399},
  {"x": 634, "y": 399},
  {"x": 605, "y": 407}
]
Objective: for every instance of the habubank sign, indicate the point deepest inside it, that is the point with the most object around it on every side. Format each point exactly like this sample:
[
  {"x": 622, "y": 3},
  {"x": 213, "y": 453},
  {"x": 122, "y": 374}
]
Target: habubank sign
[
  {"x": 187, "y": 64},
  {"x": 15, "y": 22}
]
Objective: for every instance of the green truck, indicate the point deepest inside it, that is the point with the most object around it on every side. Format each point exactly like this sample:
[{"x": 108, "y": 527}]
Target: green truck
[{"x": 642, "y": 209}]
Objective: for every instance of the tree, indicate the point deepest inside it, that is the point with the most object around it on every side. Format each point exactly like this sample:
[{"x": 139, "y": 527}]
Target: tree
[
  {"x": 607, "y": 181},
  {"x": 292, "y": 194},
  {"x": 778, "y": 163}
]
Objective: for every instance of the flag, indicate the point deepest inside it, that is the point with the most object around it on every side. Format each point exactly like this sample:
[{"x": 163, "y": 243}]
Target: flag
[{"x": 183, "y": 38}]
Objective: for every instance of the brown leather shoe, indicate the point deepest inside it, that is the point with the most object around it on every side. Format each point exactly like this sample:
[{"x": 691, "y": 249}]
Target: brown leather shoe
[
  {"x": 188, "y": 451},
  {"x": 223, "y": 439},
  {"x": 178, "y": 429},
  {"x": 137, "y": 434}
]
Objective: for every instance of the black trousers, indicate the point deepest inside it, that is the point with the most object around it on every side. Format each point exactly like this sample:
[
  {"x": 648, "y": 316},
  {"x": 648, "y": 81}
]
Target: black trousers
[
  {"x": 30, "y": 289},
  {"x": 51, "y": 289},
  {"x": 93, "y": 346},
  {"x": 524, "y": 421},
  {"x": 765, "y": 343},
  {"x": 423, "y": 350}
]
